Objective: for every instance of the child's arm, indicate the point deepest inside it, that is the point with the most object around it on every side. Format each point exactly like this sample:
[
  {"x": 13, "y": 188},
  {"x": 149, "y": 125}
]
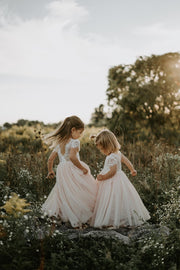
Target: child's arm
[
  {"x": 126, "y": 161},
  {"x": 75, "y": 160},
  {"x": 109, "y": 174},
  {"x": 51, "y": 159}
]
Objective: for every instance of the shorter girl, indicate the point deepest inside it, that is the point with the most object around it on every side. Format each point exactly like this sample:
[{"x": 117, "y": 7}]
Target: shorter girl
[
  {"x": 118, "y": 203},
  {"x": 73, "y": 196}
]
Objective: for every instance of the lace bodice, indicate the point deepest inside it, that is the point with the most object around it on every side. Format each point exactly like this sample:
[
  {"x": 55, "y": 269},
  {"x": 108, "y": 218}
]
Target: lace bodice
[
  {"x": 71, "y": 144},
  {"x": 112, "y": 159}
]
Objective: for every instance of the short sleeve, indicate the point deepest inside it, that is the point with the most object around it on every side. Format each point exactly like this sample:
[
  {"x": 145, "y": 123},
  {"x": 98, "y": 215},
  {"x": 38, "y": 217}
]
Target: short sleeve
[
  {"x": 56, "y": 149},
  {"x": 112, "y": 161},
  {"x": 75, "y": 144}
]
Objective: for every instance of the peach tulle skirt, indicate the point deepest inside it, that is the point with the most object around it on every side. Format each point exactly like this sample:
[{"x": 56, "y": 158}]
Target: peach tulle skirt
[
  {"x": 73, "y": 196},
  {"x": 118, "y": 203}
]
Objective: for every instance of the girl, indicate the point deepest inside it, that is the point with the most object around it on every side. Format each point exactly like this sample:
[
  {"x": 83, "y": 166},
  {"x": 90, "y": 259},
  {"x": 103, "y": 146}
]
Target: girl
[
  {"x": 118, "y": 203},
  {"x": 73, "y": 196}
]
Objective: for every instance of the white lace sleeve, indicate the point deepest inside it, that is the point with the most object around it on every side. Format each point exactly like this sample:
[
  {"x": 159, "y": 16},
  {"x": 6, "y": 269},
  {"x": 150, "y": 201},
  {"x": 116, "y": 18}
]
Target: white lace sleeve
[
  {"x": 56, "y": 149},
  {"x": 112, "y": 161},
  {"x": 75, "y": 144}
]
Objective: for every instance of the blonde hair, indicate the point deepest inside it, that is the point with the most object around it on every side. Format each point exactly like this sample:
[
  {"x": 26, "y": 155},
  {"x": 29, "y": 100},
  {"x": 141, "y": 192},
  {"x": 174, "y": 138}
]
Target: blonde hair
[
  {"x": 107, "y": 140},
  {"x": 63, "y": 132}
]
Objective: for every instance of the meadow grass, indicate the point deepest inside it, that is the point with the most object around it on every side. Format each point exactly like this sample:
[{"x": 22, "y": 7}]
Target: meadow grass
[{"x": 24, "y": 187}]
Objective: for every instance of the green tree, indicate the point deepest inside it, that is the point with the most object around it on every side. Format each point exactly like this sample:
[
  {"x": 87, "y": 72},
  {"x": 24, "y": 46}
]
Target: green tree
[
  {"x": 21, "y": 122},
  {"x": 7, "y": 125},
  {"x": 98, "y": 118},
  {"x": 24, "y": 122},
  {"x": 144, "y": 97}
]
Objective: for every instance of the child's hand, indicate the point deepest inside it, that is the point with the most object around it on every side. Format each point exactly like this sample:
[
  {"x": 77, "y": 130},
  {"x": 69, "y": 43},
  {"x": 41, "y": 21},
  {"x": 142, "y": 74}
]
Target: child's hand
[
  {"x": 50, "y": 175},
  {"x": 134, "y": 173},
  {"x": 100, "y": 177},
  {"x": 85, "y": 171}
]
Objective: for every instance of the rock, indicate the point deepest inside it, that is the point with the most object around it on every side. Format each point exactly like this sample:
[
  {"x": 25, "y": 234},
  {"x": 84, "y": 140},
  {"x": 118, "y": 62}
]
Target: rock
[
  {"x": 163, "y": 230},
  {"x": 124, "y": 234},
  {"x": 107, "y": 234},
  {"x": 143, "y": 231}
]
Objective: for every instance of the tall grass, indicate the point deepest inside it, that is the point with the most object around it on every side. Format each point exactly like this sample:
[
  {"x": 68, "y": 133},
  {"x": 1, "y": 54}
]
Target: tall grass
[{"x": 23, "y": 170}]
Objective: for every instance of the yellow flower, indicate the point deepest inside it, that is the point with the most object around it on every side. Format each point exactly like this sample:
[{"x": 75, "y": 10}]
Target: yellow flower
[{"x": 15, "y": 206}]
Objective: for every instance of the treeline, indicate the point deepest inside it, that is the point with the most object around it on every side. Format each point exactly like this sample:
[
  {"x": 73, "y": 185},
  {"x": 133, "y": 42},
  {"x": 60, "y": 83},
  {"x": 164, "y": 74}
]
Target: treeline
[
  {"x": 143, "y": 99},
  {"x": 142, "y": 105},
  {"x": 24, "y": 136},
  {"x": 24, "y": 122}
]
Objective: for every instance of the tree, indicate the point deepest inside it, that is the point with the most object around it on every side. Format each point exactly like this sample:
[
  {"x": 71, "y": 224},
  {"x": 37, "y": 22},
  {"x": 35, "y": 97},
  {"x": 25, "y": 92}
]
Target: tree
[
  {"x": 7, "y": 125},
  {"x": 98, "y": 118},
  {"x": 144, "y": 97},
  {"x": 21, "y": 122}
]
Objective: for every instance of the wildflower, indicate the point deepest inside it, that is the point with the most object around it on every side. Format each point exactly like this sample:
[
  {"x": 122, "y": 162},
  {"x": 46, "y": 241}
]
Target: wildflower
[
  {"x": 27, "y": 230},
  {"x": 15, "y": 206}
]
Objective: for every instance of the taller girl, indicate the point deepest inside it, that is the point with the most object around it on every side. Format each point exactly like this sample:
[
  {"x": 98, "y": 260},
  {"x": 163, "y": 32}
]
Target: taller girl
[{"x": 73, "y": 196}]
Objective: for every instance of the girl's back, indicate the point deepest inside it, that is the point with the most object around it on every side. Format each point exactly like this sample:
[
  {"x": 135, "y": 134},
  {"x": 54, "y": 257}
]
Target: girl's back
[
  {"x": 64, "y": 151},
  {"x": 73, "y": 196}
]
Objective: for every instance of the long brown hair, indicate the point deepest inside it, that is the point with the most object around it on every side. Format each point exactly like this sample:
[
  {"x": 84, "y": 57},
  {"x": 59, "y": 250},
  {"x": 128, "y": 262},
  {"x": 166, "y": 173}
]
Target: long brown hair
[{"x": 63, "y": 132}]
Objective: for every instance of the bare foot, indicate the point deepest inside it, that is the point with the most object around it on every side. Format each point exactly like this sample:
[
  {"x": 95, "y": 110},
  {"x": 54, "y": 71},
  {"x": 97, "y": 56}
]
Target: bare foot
[
  {"x": 78, "y": 228},
  {"x": 111, "y": 227}
]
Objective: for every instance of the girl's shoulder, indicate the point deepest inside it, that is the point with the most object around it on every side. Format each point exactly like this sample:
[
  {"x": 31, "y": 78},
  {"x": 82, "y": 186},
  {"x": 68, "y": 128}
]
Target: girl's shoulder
[
  {"x": 56, "y": 148},
  {"x": 115, "y": 155},
  {"x": 111, "y": 159},
  {"x": 75, "y": 143},
  {"x": 114, "y": 158}
]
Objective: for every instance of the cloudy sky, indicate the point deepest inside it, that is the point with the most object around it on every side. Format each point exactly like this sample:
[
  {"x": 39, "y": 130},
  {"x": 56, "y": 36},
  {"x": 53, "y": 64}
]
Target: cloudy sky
[{"x": 55, "y": 55}]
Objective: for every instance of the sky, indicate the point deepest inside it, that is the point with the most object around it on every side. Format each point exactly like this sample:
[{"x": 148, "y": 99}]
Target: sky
[{"x": 55, "y": 54}]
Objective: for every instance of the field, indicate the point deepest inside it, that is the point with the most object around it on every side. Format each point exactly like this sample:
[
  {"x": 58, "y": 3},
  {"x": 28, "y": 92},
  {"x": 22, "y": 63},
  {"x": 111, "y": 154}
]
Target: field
[{"x": 24, "y": 187}]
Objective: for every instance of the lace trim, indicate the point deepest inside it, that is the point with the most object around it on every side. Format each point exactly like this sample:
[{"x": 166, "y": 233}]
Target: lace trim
[
  {"x": 75, "y": 144},
  {"x": 112, "y": 161}
]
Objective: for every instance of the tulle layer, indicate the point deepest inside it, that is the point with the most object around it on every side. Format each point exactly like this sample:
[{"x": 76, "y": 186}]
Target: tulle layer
[
  {"x": 73, "y": 196},
  {"x": 118, "y": 203}
]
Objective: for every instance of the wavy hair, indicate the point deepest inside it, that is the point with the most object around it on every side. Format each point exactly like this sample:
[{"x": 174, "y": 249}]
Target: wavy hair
[
  {"x": 107, "y": 140},
  {"x": 63, "y": 132}
]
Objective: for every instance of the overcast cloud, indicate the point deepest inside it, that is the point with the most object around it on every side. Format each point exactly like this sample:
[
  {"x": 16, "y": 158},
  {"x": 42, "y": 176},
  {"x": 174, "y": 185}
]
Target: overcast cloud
[{"x": 54, "y": 63}]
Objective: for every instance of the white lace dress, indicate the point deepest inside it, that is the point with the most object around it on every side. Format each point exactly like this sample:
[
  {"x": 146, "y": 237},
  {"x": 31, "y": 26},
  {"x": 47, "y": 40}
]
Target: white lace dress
[
  {"x": 73, "y": 196},
  {"x": 118, "y": 203}
]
